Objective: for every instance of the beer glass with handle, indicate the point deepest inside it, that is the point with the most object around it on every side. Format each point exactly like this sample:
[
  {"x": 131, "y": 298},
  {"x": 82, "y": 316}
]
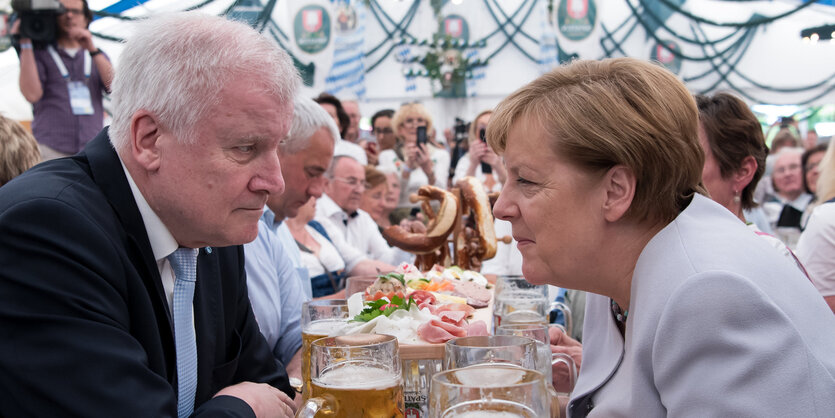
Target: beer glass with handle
[
  {"x": 505, "y": 349},
  {"x": 545, "y": 358},
  {"x": 355, "y": 376},
  {"x": 320, "y": 318},
  {"x": 489, "y": 390}
]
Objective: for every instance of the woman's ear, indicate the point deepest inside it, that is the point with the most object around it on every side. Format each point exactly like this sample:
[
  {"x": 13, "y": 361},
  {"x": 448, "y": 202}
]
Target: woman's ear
[
  {"x": 743, "y": 176},
  {"x": 619, "y": 185},
  {"x": 145, "y": 133}
]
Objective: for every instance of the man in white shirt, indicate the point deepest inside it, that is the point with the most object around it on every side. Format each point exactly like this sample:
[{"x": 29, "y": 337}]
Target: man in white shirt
[{"x": 338, "y": 211}]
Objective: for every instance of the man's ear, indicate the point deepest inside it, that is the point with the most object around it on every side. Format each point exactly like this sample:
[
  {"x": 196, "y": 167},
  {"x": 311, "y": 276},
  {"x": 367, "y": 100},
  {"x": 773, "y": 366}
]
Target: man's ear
[
  {"x": 145, "y": 133},
  {"x": 619, "y": 185}
]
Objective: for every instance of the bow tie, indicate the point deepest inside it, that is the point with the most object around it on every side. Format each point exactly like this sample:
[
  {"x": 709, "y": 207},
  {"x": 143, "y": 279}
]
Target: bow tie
[{"x": 351, "y": 215}]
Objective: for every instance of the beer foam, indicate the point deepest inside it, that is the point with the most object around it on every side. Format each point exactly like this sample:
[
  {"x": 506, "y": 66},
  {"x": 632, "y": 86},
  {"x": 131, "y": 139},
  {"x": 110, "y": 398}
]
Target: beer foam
[
  {"x": 327, "y": 327},
  {"x": 486, "y": 377},
  {"x": 358, "y": 376},
  {"x": 484, "y": 414}
]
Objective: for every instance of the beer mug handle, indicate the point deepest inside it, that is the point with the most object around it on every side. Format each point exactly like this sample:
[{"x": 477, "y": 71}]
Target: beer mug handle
[
  {"x": 312, "y": 407},
  {"x": 566, "y": 312},
  {"x": 569, "y": 364}
]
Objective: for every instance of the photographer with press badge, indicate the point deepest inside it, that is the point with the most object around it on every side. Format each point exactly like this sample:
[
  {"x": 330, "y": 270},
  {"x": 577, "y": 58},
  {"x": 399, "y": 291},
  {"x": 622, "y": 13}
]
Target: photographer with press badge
[
  {"x": 62, "y": 73},
  {"x": 480, "y": 161}
]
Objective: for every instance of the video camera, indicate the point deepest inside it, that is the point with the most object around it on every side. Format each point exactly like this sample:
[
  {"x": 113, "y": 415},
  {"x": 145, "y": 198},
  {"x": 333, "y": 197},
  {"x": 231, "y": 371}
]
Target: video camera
[
  {"x": 38, "y": 18},
  {"x": 461, "y": 129}
]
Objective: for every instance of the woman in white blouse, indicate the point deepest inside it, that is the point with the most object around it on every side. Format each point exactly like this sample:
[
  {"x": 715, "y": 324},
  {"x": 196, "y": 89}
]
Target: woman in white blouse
[
  {"x": 416, "y": 165},
  {"x": 324, "y": 263}
]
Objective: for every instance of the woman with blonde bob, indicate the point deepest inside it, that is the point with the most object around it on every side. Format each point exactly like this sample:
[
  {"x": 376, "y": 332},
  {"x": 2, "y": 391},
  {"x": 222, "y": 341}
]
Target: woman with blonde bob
[
  {"x": 690, "y": 313},
  {"x": 417, "y": 165}
]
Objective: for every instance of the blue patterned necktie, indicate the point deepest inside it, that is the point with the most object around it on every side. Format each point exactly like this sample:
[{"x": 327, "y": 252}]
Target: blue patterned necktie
[{"x": 184, "y": 263}]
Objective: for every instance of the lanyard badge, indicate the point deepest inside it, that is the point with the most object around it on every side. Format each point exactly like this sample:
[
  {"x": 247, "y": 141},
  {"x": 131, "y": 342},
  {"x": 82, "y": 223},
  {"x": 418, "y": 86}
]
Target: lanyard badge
[{"x": 80, "y": 100}]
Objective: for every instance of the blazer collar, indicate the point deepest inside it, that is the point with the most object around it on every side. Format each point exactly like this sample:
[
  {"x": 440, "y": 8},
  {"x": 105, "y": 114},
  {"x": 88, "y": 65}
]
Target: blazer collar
[{"x": 603, "y": 343}]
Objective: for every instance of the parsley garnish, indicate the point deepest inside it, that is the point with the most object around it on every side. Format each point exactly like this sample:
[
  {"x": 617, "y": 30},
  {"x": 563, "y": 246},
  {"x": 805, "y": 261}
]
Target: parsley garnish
[{"x": 383, "y": 307}]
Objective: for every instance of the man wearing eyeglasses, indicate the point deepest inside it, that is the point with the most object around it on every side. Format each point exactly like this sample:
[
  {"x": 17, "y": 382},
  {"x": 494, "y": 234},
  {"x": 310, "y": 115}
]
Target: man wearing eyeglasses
[
  {"x": 339, "y": 213},
  {"x": 64, "y": 80}
]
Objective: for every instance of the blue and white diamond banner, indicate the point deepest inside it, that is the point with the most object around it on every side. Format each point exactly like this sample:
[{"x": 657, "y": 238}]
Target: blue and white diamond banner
[{"x": 347, "y": 74}]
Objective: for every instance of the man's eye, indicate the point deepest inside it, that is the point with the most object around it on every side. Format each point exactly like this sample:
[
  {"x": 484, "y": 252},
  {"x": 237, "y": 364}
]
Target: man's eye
[
  {"x": 245, "y": 148},
  {"x": 524, "y": 181}
]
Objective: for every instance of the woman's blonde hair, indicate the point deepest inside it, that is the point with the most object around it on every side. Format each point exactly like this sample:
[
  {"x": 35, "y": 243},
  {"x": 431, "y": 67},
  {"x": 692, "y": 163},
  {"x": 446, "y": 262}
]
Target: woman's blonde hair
[
  {"x": 474, "y": 125},
  {"x": 18, "y": 150},
  {"x": 620, "y": 111},
  {"x": 410, "y": 109},
  {"x": 826, "y": 181}
]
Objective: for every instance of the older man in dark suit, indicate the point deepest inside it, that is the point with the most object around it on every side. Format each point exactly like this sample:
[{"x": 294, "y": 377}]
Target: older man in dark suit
[{"x": 122, "y": 285}]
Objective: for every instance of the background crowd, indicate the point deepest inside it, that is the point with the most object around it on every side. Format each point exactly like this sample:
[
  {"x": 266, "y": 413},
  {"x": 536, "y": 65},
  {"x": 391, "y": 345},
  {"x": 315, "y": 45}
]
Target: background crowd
[{"x": 108, "y": 221}]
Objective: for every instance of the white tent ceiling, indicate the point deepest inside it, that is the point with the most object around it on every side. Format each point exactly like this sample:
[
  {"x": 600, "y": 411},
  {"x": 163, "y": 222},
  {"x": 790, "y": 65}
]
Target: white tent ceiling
[{"x": 775, "y": 61}]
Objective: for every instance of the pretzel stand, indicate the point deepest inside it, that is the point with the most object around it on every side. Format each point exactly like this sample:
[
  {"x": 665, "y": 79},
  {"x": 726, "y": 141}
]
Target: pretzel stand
[{"x": 460, "y": 232}]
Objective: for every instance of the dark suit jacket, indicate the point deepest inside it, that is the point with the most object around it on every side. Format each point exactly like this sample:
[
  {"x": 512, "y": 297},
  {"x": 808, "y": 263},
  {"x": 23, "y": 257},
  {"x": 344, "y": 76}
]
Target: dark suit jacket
[{"x": 85, "y": 328}]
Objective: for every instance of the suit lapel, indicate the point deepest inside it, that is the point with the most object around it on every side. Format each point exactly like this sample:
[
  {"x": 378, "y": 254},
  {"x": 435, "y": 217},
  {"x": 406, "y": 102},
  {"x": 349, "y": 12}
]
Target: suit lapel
[{"x": 107, "y": 172}]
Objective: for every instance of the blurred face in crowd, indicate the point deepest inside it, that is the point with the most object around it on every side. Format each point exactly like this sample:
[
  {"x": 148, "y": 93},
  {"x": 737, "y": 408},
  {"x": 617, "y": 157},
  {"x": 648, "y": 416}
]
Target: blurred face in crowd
[
  {"x": 305, "y": 172},
  {"x": 720, "y": 189},
  {"x": 212, "y": 191},
  {"x": 813, "y": 170},
  {"x": 73, "y": 16},
  {"x": 393, "y": 193},
  {"x": 408, "y": 129},
  {"x": 331, "y": 109},
  {"x": 787, "y": 175},
  {"x": 353, "y": 109},
  {"x": 374, "y": 200},
  {"x": 347, "y": 185},
  {"x": 481, "y": 123},
  {"x": 384, "y": 133}
]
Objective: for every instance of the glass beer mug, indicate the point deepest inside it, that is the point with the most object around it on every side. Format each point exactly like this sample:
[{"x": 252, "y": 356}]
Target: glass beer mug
[
  {"x": 320, "y": 318},
  {"x": 489, "y": 390},
  {"x": 545, "y": 358},
  {"x": 355, "y": 376},
  {"x": 527, "y": 307},
  {"x": 507, "y": 349}
]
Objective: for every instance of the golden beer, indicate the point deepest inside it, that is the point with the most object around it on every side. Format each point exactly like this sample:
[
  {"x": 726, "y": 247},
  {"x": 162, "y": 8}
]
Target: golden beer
[
  {"x": 359, "y": 390},
  {"x": 312, "y": 332}
]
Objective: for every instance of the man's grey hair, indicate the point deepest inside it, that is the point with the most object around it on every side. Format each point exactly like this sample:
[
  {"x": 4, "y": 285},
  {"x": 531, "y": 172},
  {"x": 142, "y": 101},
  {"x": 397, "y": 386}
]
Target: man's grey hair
[
  {"x": 336, "y": 160},
  {"x": 176, "y": 66},
  {"x": 308, "y": 117}
]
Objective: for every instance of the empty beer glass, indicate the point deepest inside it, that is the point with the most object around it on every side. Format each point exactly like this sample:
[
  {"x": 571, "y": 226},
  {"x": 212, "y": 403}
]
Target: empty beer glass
[
  {"x": 320, "y": 318},
  {"x": 526, "y": 307},
  {"x": 489, "y": 390},
  {"x": 355, "y": 376},
  {"x": 508, "y": 349},
  {"x": 545, "y": 358}
]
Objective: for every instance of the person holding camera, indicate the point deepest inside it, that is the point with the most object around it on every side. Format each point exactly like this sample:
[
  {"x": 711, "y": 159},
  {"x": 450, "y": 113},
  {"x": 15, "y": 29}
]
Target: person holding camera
[
  {"x": 414, "y": 157},
  {"x": 64, "y": 79},
  {"x": 480, "y": 161}
]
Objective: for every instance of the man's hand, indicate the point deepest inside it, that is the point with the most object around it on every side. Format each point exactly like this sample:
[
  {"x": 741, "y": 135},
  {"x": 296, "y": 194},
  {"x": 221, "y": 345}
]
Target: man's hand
[
  {"x": 264, "y": 399},
  {"x": 561, "y": 343},
  {"x": 84, "y": 38}
]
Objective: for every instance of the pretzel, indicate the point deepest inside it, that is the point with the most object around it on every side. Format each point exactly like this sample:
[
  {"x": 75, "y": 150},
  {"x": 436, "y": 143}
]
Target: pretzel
[
  {"x": 438, "y": 227},
  {"x": 475, "y": 239}
]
